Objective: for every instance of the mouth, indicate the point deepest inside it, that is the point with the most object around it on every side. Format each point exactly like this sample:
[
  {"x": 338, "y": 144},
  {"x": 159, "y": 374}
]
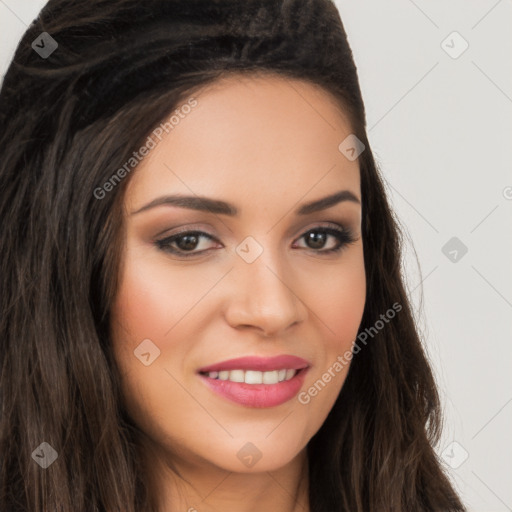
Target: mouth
[{"x": 256, "y": 382}]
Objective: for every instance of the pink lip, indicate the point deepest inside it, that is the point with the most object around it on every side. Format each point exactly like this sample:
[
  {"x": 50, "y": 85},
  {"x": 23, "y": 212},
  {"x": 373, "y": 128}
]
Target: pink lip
[
  {"x": 257, "y": 395},
  {"x": 261, "y": 364}
]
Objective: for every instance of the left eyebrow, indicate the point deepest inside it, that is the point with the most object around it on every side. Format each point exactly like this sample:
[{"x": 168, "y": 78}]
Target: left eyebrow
[
  {"x": 327, "y": 202},
  {"x": 221, "y": 207}
]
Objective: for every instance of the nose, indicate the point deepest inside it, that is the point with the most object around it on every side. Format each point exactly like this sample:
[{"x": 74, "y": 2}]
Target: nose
[{"x": 264, "y": 296}]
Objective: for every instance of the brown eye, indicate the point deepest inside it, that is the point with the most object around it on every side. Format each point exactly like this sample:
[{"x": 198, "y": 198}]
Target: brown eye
[
  {"x": 317, "y": 238},
  {"x": 185, "y": 242}
]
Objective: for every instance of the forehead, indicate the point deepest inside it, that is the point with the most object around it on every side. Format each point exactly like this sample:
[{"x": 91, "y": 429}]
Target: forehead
[{"x": 256, "y": 136}]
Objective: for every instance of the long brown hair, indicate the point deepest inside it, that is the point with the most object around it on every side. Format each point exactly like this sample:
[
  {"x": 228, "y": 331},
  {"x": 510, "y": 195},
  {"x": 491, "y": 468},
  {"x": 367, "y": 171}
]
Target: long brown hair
[{"x": 68, "y": 122}]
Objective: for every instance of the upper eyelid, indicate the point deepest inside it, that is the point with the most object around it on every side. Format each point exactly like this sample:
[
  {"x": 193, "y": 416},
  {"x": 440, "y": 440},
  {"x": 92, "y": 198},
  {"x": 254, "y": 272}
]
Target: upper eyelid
[
  {"x": 191, "y": 229},
  {"x": 341, "y": 229}
]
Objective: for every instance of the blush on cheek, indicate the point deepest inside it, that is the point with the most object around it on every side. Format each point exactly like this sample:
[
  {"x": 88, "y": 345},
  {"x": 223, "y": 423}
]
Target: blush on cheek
[
  {"x": 151, "y": 299},
  {"x": 344, "y": 322},
  {"x": 137, "y": 309},
  {"x": 341, "y": 306}
]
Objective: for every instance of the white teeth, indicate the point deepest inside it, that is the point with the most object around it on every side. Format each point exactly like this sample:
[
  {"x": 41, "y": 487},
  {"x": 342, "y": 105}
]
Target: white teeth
[
  {"x": 236, "y": 375},
  {"x": 271, "y": 377},
  {"x": 254, "y": 377},
  {"x": 290, "y": 374}
]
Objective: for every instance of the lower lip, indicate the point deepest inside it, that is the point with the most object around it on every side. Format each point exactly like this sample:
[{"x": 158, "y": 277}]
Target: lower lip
[{"x": 257, "y": 395}]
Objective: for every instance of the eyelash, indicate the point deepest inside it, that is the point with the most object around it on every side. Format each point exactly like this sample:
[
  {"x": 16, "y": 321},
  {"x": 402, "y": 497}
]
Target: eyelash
[{"x": 344, "y": 237}]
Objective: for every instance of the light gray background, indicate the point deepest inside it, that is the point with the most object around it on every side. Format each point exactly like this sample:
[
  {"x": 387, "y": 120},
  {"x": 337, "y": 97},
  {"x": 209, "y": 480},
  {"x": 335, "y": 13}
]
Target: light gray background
[{"x": 441, "y": 131}]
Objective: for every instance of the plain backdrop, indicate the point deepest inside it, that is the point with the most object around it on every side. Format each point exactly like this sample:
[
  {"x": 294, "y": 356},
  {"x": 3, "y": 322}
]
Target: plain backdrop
[{"x": 436, "y": 78}]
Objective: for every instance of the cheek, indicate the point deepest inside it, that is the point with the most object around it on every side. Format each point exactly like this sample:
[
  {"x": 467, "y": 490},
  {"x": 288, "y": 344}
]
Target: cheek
[
  {"x": 153, "y": 298},
  {"x": 150, "y": 302},
  {"x": 337, "y": 302},
  {"x": 339, "y": 299}
]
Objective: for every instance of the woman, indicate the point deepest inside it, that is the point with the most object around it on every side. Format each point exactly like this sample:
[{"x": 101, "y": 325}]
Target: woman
[{"x": 202, "y": 302}]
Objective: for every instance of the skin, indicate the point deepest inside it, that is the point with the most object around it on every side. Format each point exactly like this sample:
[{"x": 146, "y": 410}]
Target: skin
[{"x": 267, "y": 145}]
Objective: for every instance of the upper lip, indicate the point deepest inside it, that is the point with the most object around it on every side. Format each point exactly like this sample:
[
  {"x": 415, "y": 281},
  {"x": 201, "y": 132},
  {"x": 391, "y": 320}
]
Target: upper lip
[{"x": 262, "y": 364}]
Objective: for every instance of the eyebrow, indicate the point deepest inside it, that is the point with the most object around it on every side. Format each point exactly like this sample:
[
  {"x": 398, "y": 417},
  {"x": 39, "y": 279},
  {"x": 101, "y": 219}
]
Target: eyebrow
[{"x": 221, "y": 207}]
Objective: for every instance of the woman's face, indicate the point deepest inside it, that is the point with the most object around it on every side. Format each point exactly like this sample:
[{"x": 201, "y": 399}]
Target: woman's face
[{"x": 261, "y": 280}]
